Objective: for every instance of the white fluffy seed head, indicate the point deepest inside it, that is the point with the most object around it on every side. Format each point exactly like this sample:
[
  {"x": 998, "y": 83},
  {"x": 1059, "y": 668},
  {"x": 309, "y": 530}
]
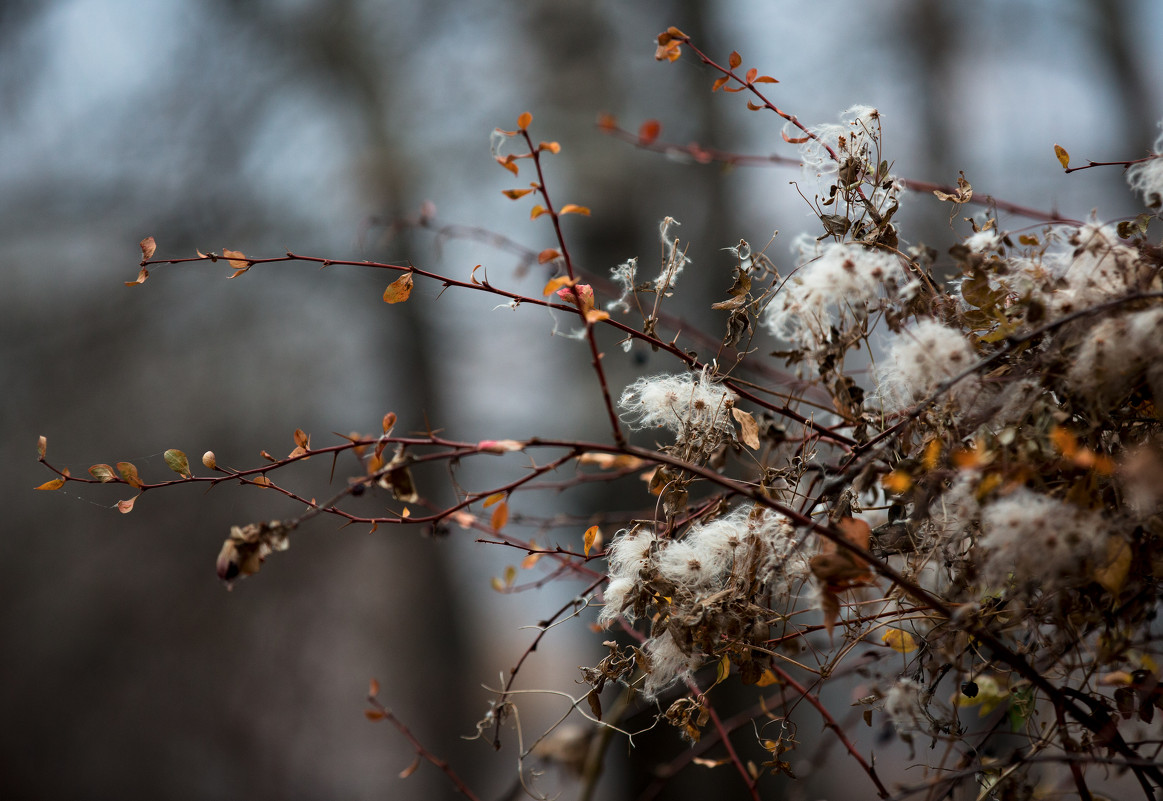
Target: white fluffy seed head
[
  {"x": 682, "y": 402},
  {"x": 1146, "y": 177},
  {"x": 837, "y": 285},
  {"x": 919, "y": 359},
  {"x": 1036, "y": 540}
]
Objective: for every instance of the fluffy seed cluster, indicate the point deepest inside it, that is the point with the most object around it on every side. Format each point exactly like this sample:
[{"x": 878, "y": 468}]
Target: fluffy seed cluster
[
  {"x": 845, "y": 279},
  {"x": 919, "y": 359},
  {"x": 1117, "y": 353},
  {"x": 1035, "y": 541},
  {"x": 707, "y": 577},
  {"x": 1146, "y": 177},
  {"x": 681, "y": 403}
]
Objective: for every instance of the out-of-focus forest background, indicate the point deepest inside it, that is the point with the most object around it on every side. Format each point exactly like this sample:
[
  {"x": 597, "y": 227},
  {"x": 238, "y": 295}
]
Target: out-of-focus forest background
[{"x": 267, "y": 125}]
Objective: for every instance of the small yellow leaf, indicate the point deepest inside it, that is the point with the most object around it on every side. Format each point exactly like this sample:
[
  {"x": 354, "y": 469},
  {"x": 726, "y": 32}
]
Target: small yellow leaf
[
  {"x": 500, "y": 516},
  {"x": 524, "y": 121},
  {"x": 148, "y": 248},
  {"x": 767, "y": 679},
  {"x": 547, "y": 255},
  {"x": 552, "y": 147},
  {"x": 723, "y": 670},
  {"x": 573, "y": 208},
  {"x": 899, "y": 640},
  {"x": 536, "y": 212},
  {"x": 55, "y": 484},
  {"x": 1113, "y": 574},
  {"x": 596, "y": 316},
  {"x": 590, "y": 537},
  {"x": 557, "y": 283},
  {"x": 510, "y": 576},
  {"x": 530, "y": 560},
  {"x": 932, "y": 454},
  {"x": 897, "y": 481},
  {"x": 399, "y": 290},
  {"x": 1063, "y": 156},
  {"x": 496, "y": 497},
  {"x": 514, "y": 194}
]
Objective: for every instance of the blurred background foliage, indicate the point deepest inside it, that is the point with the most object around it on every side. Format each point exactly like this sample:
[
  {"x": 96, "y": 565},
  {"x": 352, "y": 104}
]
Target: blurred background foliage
[{"x": 268, "y": 125}]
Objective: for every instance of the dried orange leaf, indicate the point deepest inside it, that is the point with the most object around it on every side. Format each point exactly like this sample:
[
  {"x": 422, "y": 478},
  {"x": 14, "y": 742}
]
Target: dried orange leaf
[
  {"x": 557, "y": 283},
  {"x": 302, "y": 439},
  {"x": 55, "y": 484},
  {"x": 142, "y": 274},
  {"x": 573, "y": 208},
  {"x": 719, "y": 82},
  {"x": 496, "y": 497},
  {"x": 536, "y": 212},
  {"x": 590, "y": 537},
  {"x": 148, "y": 247},
  {"x": 1063, "y": 156},
  {"x": 748, "y": 428},
  {"x": 596, "y": 316},
  {"x": 793, "y": 140},
  {"x": 373, "y": 715},
  {"x": 389, "y": 422},
  {"x": 751, "y": 75},
  {"x": 754, "y": 106},
  {"x": 508, "y": 163},
  {"x": 734, "y": 59},
  {"x": 500, "y": 516},
  {"x": 607, "y": 122},
  {"x": 128, "y": 474},
  {"x": 530, "y": 560},
  {"x": 261, "y": 481},
  {"x": 548, "y": 255},
  {"x": 514, "y": 194},
  {"x": 524, "y": 121},
  {"x": 649, "y": 131},
  {"x": 932, "y": 454},
  {"x": 125, "y": 507},
  {"x": 765, "y": 79},
  {"x": 552, "y": 147},
  {"x": 237, "y": 261},
  {"x": 408, "y": 771},
  {"x": 399, "y": 290},
  {"x": 103, "y": 473},
  {"x": 373, "y": 688}
]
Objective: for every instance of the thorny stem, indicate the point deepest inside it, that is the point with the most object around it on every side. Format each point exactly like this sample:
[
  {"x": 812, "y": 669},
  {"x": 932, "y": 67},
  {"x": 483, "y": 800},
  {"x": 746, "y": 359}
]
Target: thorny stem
[
  {"x": 380, "y": 711},
  {"x": 591, "y": 337},
  {"x": 706, "y": 155}
]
